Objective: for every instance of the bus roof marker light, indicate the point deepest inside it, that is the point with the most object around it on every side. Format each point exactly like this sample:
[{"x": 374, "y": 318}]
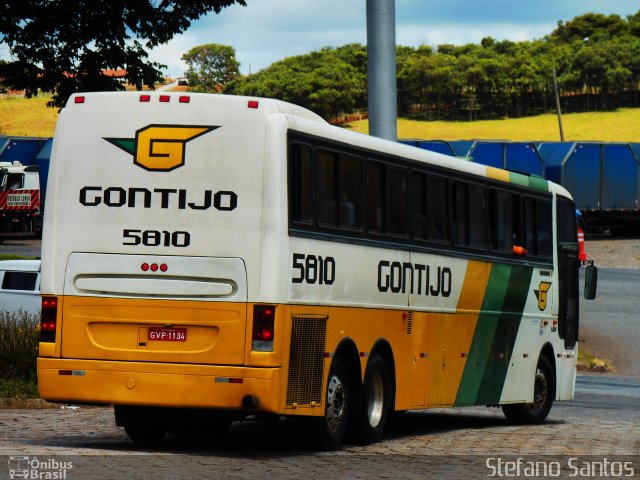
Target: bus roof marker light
[
  {"x": 145, "y": 98},
  {"x": 79, "y": 99},
  {"x": 144, "y": 267},
  {"x": 253, "y": 104},
  {"x": 163, "y": 267},
  {"x": 184, "y": 99},
  {"x": 165, "y": 98}
]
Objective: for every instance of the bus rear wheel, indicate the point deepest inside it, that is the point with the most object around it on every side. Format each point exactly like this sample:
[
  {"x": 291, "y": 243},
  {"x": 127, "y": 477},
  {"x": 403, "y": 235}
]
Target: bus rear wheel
[
  {"x": 371, "y": 413},
  {"x": 144, "y": 429},
  {"x": 544, "y": 393},
  {"x": 330, "y": 428}
]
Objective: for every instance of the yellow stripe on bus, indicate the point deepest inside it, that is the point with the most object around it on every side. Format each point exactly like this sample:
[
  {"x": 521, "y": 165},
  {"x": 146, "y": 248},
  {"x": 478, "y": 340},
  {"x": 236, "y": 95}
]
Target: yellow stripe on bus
[{"x": 498, "y": 174}]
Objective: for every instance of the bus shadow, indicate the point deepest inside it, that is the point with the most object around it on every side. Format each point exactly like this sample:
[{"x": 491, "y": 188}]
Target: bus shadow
[{"x": 284, "y": 437}]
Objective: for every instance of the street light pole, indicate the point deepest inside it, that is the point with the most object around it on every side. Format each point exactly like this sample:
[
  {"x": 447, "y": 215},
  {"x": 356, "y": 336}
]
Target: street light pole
[
  {"x": 381, "y": 68},
  {"x": 555, "y": 90}
]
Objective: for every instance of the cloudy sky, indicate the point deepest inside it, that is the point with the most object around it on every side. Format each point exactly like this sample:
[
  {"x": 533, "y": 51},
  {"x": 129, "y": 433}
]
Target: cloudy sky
[{"x": 269, "y": 30}]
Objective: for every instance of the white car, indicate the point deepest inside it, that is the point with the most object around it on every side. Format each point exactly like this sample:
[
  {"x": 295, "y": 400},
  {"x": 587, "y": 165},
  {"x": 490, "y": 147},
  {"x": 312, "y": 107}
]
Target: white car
[{"x": 20, "y": 286}]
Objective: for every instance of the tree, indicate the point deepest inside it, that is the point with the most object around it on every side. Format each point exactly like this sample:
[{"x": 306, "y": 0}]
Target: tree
[
  {"x": 211, "y": 66},
  {"x": 63, "y": 46},
  {"x": 326, "y": 81}
]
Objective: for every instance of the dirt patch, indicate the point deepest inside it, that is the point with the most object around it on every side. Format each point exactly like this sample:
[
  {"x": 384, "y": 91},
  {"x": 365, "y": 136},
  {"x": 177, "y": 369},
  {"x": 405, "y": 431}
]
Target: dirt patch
[{"x": 610, "y": 252}]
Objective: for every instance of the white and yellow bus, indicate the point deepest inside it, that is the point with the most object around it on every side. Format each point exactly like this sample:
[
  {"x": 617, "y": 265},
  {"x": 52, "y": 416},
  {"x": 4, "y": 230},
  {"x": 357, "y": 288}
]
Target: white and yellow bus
[{"x": 207, "y": 257}]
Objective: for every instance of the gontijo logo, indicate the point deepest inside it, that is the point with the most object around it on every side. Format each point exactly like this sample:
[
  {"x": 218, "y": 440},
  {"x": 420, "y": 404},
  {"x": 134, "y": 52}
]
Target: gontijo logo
[{"x": 160, "y": 148}]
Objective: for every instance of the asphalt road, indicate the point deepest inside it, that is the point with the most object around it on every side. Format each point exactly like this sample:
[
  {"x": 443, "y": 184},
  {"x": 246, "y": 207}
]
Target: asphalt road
[{"x": 610, "y": 324}]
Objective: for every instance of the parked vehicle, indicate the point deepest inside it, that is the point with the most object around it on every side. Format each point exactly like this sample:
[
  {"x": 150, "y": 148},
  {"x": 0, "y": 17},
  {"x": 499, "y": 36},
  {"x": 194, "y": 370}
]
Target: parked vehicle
[{"x": 20, "y": 286}]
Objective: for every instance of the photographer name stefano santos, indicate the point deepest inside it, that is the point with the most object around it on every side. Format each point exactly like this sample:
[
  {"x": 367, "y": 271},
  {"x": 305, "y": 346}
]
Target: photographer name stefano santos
[{"x": 524, "y": 467}]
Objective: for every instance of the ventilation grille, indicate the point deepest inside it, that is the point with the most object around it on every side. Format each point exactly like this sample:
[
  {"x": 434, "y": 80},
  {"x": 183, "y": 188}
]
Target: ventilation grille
[
  {"x": 306, "y": 360},
  {"x": 409, "y": 323}
]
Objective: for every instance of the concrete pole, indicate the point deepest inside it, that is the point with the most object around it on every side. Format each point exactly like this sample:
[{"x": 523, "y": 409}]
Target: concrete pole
[{"x": 381, "y": 69}]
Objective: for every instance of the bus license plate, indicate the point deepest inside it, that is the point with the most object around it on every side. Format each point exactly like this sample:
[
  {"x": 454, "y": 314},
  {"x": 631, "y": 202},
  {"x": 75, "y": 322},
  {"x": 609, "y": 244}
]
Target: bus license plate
[{"x": 167, "y": 334}]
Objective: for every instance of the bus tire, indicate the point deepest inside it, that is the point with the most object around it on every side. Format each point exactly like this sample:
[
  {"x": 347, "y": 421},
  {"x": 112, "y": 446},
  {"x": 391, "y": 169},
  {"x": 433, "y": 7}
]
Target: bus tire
[
  {"x": 330, "y": 428},
  {"x": 544, "y": 393},
  {"x": 372, "y": 410},
  {"x": 144, "y": 428}
]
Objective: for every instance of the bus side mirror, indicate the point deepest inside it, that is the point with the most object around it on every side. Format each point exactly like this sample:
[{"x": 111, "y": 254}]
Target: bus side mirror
[{"x": 590, "y": 282}]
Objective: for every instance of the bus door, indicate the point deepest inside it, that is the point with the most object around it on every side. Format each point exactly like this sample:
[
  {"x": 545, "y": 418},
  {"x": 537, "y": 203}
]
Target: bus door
[{"x": 568, "y": 265}]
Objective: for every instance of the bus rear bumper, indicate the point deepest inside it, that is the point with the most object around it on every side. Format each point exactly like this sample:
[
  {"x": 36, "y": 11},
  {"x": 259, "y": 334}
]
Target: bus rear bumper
[{"x": 158, "y": 385}]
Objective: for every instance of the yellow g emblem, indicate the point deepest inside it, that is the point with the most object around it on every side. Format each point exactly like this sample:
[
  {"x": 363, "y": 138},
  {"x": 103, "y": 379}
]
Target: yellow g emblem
[
  {"x": 160, "y": 147},
  {"x": 541, "y": 295}
]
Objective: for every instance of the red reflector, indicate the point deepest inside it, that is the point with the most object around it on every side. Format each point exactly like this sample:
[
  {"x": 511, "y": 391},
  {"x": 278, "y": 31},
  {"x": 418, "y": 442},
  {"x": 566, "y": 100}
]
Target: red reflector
[
  {"x": 144, "y": 267},
  {"x": 163, "y": 267},
  {"x": 48, "y": 326},
  {"x": 165, "y": 98},
  {"x": 184, "y": 99},
  {"x": 49, "y": 302},
  {"x": 253, "y": 104},
  {"x": 154, "y": 267},
  {"x": 65, "y": 372},
  {"x": 263, "y": 323},
  {"x": 48, "y": 319},
  {"x": 145, "y": 98},
  {"x": 236, "y": 380},
  {"x": 79, "y": 99},
  {"x": 264, "y": 334}
]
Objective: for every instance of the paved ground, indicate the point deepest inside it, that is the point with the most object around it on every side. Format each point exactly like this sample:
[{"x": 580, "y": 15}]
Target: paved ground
[{"x": 453, "y": 443}]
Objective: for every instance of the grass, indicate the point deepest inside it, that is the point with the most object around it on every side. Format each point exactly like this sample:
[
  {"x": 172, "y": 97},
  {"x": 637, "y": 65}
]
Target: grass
[
  {"x": 620, "y": 126},
  {"x": 18, "y": 388},
  {"x": 589, "y": 362},
  {"x": 27, "y": 117},
  {"x": 10, "y": 256},
  {"x": 31, "y": 117}
]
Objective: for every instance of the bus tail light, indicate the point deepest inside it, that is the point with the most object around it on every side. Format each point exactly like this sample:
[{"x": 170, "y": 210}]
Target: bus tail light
[
  {"x": 48, "y": 319},
  {"x": 263, "y": 328}
]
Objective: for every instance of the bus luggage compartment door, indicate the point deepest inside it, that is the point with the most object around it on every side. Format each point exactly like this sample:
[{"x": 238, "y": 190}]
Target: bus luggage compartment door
[{"x": 165, "y": 309}]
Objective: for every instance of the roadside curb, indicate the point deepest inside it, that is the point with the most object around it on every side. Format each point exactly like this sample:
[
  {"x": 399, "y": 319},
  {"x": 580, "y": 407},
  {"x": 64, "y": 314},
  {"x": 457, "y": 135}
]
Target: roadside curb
[{"x": 25, "y": 404}]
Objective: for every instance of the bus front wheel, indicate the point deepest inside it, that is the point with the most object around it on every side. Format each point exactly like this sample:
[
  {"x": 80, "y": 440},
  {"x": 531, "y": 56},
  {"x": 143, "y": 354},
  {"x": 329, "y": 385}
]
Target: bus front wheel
[
  {"x": 544, "y": 392},
  {"x": 330, "y": 428}
]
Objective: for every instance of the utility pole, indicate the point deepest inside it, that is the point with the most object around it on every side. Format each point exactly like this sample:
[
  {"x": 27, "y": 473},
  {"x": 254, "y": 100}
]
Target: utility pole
[
  {"x": 381, "y": 69},
  {"x": 555, "y": 90}
]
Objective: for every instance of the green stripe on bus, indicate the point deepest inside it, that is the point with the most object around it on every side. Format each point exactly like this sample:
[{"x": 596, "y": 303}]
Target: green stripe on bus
[
  {"x": 518, "y": 179},
  {"x": 493, "y": 341},
  {"x": 506, "y": 332},
  {"x": 539, "y": 183},
  {"x": 530, "y": 181},
  {"x": 478, "y": 356}
]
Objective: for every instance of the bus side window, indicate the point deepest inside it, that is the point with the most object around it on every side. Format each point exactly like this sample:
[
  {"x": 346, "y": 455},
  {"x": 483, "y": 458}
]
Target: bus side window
[
  {"x": 302, "y": 188},
  {"x": 419, "y": 206},
  {"x": 470, "y": 221},
  {"x": 350, "y": 188},
  {"x": 537, "y": 227},
  {"x": 326, "y": 188},
  {"x": 505, "y": 221},
  {"x": 438, "y": 209},
  {"x": 396, "y": 200},
  {"x": 375, "y": 197},
  {"x": 429, "y": 207},
  {"x": 544, "y": 240}
]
